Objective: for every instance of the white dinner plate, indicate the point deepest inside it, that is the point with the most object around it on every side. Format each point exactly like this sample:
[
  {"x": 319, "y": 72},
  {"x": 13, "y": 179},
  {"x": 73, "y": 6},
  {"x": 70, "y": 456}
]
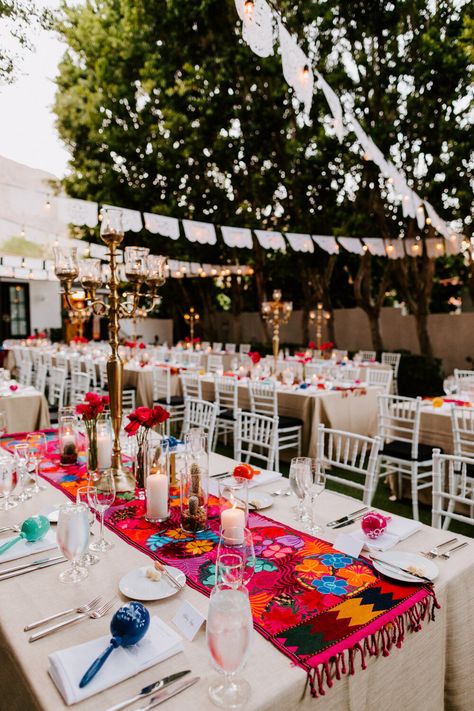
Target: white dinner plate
[
  {"x": 260, "y": 499},
  {"x": 426, "y": 567},
  {"x": 137, "y": 586}
]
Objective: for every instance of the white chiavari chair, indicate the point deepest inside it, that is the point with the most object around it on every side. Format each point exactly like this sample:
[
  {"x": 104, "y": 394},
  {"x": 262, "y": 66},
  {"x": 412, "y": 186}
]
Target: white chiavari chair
[
  {"x": 90, "y": 369},
  {"x": 230, "y": 348},
  {"x": 40, "y": 378},
  {"x": 453, "y": 483},
  {"x": 195, "y": 360},
  {"x": 393, "y": 360},
  {"x": 191, "y": 385},
  {"x": 402, "y": 455},
  {"x": 463, "y": 377},
  {"x": 78, "y": 388},
  {"x": 226, "y": 399},
  {"x": 255, "y": 437},
  {"x": 200, "y": 414},
  {"x": 367, "y": 356},
  {"x": 217, "y": 347},
  {"x": 128, "y": 401},
  {"x": 264, "y": 400},
  {"x": 351, "y": 453},
  {"x": 215, "y": 364},
  {"x": 25, "y": 372},
  {"x": 57, "y": 386},
  {"x": 162, "y": 396},
  {"x": 244, "y": 348},
  {"x": 380, "y": 378}
]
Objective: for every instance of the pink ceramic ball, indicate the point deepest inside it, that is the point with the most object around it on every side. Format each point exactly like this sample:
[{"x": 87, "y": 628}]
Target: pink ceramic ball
[{"x": 374, "y": 524}]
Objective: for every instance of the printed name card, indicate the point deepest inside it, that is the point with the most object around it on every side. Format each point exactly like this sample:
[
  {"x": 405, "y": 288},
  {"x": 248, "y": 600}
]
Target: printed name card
[
  {"x": 349, "y": 545},
  {"x": 188, "y": 620}
]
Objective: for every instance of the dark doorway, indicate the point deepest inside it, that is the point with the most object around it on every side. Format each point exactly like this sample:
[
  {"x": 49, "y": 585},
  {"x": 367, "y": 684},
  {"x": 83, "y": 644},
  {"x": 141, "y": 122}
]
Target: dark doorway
[{"x": 14, "y": 310}]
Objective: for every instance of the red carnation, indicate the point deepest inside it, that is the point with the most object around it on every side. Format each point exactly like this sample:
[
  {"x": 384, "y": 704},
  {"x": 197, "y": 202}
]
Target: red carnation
[
  {"x": 142, "y": 345},
  {"x": 312, "y": 345},
  {"x": 255, "y": 357}
]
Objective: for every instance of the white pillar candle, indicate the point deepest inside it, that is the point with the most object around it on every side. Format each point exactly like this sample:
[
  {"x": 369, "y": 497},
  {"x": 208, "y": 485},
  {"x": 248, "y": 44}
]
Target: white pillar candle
[
  {"x": 104, "y": 450},
  {"x": 233, "y": 518},
  {"x": 157, "y": 496}
]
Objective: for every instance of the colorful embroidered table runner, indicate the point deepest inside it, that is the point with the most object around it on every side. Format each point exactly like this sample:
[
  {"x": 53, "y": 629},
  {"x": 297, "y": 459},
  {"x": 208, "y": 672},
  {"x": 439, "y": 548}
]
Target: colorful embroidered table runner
[{"x": 320, "y": 607}]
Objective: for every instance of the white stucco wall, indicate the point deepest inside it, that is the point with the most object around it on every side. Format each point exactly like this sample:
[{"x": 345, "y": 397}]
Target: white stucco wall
[{"x": 45, "y": 305}]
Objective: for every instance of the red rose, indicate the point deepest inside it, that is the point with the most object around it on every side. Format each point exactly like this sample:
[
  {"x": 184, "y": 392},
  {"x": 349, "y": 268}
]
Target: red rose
[
  {"x": 197, "y": 340},
  {"x": 255, "y": 357},
  {"x": 312, "y": 345},
  {"x": 142, "y": 345},
  {"x": 105, "y": 400},
  {"x": 93, "y": 398},
  {"x": 132, "y": 427}
]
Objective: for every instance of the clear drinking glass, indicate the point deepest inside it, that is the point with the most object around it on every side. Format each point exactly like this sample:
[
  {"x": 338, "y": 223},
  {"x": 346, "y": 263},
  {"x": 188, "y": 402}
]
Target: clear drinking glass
[
  {"x": 3, "y": 424},
  {"x": 450, "y": 385},
  {"x": 315, "y": 487},
  {"x": 73, "y": 539},
  {"x": 7, "y": 483},
  {"x": 82, "y": 497},
  {"x": 300, "y": 476},
  {"x": 235, "y": 556},
  {"x": 20, "y": 459},
  {"x": 101, "y": 496},
  {"x": 229, "y": 636},
  {"x": 37, "y": 449}
]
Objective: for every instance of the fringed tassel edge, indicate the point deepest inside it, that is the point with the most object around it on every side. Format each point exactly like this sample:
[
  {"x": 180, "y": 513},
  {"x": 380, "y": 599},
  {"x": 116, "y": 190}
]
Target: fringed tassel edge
[{"x": 379, "y": 643}]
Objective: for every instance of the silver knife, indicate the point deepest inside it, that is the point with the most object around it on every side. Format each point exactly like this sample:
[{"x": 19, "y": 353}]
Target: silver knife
[
  {"x": 29, "y": 565},
  {"x": 416, "y": 578},
  {"x": 168, "y": 694},
  {"x": 150, "y": 689},
  {"x": 331, "y": 524},
  {"x": 31, "y": 569},
  {"x": 350, "y": 520}
]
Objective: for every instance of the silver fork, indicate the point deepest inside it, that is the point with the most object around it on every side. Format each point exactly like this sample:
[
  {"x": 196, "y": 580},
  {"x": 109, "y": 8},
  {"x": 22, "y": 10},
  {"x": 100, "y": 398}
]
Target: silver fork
[
  {"x": 82, "y": 608},
  {"x": 434, "y": 552},
  {"x": 15, "y": 529},
  {"x": 281, "y": 492},
  {"x": 447, "y": 555},
  {"x": 94, "y": 615}
]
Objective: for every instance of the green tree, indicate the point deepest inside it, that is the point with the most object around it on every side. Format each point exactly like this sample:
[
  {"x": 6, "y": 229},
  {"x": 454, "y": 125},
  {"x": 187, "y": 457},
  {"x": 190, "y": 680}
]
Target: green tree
[{"x": 18, "y": 18}]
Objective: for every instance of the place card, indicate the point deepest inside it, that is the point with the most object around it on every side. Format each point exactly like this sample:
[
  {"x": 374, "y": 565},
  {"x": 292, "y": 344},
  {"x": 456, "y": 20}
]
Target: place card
[
  {"x": 188, "y": 620},
  {"x": 346, "y": 543}
]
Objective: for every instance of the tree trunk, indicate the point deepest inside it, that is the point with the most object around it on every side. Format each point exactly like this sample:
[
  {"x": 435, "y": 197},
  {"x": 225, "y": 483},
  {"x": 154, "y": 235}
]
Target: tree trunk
[
  {"x": 423, "y": 335},
  {"x": 376, "y": 336},
  {"x": 236, "y": 310},
  {"x": 260, "y": 285},
  {"x": 369, "y": 301}
]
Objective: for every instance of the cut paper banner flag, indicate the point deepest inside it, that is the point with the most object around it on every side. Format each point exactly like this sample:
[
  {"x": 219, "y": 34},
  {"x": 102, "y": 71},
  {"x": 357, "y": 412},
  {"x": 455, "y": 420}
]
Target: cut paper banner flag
[
  {"x": 161, "y": 225},
  {"x": 300, "y": 242},
  {"x": 131, "y": 219},
  {"x": 296, "y": 68},
  {"x": 202, "y": 232},
  {"x": 351, "y": 244},
  {"x": 257, "y": 26},
  {"x": 78, "y": 212},
  {"x": 271, "y": 240},
  {"x": 439, "y": 224},
  {"x": 327, "y": 243},
  {"x": 394, "y": 249},
  {"x": 237, "y": 237},
  {"x": 434, "y": 247},
  {"x": 413, "y": 247},
  {"x": 375, "y": 245},
  {"x": 334, "y": 105}
]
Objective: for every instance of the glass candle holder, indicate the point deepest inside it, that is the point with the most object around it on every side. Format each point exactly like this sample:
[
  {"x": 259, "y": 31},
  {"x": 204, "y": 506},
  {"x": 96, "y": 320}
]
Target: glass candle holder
[
  {"x": 233, "y": 503},
  {"x": 104, "y": 441},
  {"x": 157, "y": 482},
  {"x": 194, "y": 483},
  {"x": 68, "y": 441}
]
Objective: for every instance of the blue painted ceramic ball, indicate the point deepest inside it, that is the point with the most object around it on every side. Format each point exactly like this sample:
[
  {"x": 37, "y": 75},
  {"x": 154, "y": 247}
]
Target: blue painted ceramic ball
[{"x": 130, "y": 623}]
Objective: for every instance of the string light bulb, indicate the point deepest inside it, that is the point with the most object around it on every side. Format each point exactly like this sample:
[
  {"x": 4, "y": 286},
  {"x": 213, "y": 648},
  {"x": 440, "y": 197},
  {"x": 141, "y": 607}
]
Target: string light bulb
[
  {"x": 249, "y": 7},
  {"x": 47, "y": 204},
  {"x": 305, "y": 72},
  {"x": 22, "y": 233},
  {"x": 428, "y": 220}
]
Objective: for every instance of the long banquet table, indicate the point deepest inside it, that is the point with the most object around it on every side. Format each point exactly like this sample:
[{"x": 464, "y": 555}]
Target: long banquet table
[{"x": 432, "y": 670}]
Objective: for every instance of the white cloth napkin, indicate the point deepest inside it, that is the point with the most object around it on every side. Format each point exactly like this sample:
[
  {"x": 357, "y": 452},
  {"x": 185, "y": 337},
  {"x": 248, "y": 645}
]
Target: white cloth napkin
[
  {"x": 398, "y": 528},
  {"x": 23, "y": 548},
  {"x": 68, "y": 666},
  {"x": 265, "y": 477}
]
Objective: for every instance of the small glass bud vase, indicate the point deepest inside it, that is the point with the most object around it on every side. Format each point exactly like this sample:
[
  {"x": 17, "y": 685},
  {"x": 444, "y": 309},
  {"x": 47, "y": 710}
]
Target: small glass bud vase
[
  {"x": 104, "y": 442},
  {"x": 157, "y": 483},
  {"x": 233, "y": 503},
  {"x": 194, "y": 483},
  {"x": 68, "y": 441}
]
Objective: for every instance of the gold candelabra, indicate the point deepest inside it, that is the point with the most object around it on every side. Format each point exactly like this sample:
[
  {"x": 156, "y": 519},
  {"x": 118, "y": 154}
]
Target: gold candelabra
[
  {"x": 276, "y": 313},
  {"x": 316, "y": 317},
  {"x": 191, "y": 318},
  {"x": 80, "y": 314},
  {"x": 140, "y": 268},
  {"x": 139, "y": 315}
]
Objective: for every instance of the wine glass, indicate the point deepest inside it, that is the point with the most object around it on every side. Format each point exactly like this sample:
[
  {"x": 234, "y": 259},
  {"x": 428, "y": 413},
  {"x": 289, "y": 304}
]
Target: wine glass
[
  {"x": 73, "y": 539},
  {"x": 235, "y": 556},
  {"x": 37, "y": 449},
  {"x": 288, "y": 377},
  {"x": 315, "y": 486},
  {"x": 82, "y": 497},
  {"x": 450, "y": 385},
  {"x": 20, "y": 458},
  {"x": 300, "y": 475},
  {"x": 229, "y": 636},
  {"x": 7, "y": 483},
  {"x": 100, "y": 497},
  {"x": 3, "y": 424}
]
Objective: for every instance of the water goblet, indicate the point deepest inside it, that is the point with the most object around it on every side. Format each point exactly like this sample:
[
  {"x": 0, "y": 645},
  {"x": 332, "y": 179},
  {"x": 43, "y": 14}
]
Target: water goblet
[
  {"x": 20, "y": 458},
  {"x": 314, "y": 487},
  {"x": 7, "y": 483},
  {"x": 37, "y": 449},
  {"x": 450, "y": 385},
  {"x": 82, "y": 497},
  {"x": 229, "y": 636},
  {"x": 100, "y": 497},
  {"x": 300, "y": 474},
  {"x": 73, "y": 539},
  {"x": 235, "y": 561}
]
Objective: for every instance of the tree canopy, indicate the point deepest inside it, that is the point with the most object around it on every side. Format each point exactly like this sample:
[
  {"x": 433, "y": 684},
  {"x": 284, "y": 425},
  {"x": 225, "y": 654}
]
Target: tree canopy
[{"x": 17, "y": 18}]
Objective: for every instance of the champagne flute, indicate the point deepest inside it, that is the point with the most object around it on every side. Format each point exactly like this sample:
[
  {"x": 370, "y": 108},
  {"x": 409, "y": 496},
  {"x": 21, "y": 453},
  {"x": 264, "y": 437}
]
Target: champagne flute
[
  {"x": 37, "y": 448},
  {"x": 315, "y": 486},
  {"x": 101, "y": 496},
  {"x": 20, "y": 458},
  {"x": 83, "y": 497},
  {"x": 7, "y": 483},
  {"x": 229, "y": 636},
  {"x": 3, "y": 424},
  {"x": 300, "y": 474},
  {"x": 235, "y": 556},
  {"x": 73, "y": 538}
]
